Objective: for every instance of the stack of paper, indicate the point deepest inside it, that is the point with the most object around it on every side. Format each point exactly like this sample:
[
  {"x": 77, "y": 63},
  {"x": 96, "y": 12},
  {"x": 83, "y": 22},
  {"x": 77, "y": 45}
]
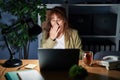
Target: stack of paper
[{"x": 109, "y": 64}]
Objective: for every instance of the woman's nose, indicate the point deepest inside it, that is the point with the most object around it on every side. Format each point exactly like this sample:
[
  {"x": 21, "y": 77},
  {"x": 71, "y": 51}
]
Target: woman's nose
[{"x": 56, "y": 22}]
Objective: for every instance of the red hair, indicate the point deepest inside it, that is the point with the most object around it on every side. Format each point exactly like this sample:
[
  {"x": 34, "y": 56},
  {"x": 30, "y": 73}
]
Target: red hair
[{"x": 60, "y": 12}]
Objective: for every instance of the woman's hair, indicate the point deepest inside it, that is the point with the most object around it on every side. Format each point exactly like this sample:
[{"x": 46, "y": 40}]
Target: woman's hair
[{"x": 61, "y": 13}]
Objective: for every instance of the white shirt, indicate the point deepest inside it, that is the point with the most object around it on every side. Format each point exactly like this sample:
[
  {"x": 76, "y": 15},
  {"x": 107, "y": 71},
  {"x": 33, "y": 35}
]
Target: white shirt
[{"x": 60, "y": 43}]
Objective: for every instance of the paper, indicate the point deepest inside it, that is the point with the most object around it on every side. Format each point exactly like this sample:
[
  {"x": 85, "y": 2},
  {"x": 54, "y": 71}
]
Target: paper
[
  {"x": 110, "y": 64},
  {"x": 30, "y": 75},
  {"x": 31, "y": 66}
]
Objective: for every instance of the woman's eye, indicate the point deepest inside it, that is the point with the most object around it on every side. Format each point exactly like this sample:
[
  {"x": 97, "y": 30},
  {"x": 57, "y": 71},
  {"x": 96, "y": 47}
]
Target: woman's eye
[
  {"x": 58, "y": 20},
  {"x": 53, "y": 20}
]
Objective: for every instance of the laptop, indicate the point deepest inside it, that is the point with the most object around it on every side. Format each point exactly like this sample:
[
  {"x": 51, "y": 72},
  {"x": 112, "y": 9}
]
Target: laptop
[{"x": 57, "y": 59}]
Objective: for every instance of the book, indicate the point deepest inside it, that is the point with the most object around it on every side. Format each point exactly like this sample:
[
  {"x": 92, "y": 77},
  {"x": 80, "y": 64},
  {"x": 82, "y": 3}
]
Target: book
[
  {"x": 24, "y": 75},
  {"x": 110, "y": 64},
  {"x": 11, "y": 75}
]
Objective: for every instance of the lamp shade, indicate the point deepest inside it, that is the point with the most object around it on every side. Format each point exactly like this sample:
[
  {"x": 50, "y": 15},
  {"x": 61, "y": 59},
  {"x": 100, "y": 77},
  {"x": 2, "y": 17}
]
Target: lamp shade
[{"x": 35, "y": 30}]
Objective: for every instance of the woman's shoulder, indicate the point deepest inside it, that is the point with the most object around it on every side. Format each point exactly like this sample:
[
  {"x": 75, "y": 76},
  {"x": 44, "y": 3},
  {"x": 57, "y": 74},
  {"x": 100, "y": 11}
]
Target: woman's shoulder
[
  {"x": 73, "y": 30},
  {"x": 44, "y": 33}
]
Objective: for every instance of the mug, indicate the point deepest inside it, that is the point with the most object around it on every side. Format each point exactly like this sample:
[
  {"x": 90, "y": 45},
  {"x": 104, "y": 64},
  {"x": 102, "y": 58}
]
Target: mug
[{"x": 88, "y": 58}]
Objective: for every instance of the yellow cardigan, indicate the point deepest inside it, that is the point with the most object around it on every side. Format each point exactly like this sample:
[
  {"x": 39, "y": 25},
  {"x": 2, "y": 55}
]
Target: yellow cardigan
[{"x": 73, "y": 42}]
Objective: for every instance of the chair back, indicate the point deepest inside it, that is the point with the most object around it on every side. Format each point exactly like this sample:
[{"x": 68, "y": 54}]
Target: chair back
[{"x": 101, "y": 54}]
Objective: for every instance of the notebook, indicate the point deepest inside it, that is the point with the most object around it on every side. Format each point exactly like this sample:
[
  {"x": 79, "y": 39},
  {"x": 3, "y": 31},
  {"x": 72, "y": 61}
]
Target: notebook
[
  {"x": 57, "y": 59},
  {"x": 30, "y": 74}
]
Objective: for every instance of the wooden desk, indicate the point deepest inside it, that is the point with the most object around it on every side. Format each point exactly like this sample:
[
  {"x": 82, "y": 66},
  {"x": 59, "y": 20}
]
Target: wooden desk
[
  {"x": 3, "y": 70},
  {"x": 95, "y": 72},
  {"x": 101, "y": 73}
]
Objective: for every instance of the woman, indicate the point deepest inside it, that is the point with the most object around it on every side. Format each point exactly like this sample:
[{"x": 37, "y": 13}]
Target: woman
[{"x": 57, "y": 33}]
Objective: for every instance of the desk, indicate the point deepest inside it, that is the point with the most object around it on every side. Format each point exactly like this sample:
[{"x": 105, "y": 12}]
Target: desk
[
  {"x": 101, "y": 73},
  {"x": 95, "y": 72},
  {"x": 3, "y": 70}
]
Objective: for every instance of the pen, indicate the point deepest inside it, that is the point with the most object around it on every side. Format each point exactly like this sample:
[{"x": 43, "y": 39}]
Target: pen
[{"x": 22, "y": 66}]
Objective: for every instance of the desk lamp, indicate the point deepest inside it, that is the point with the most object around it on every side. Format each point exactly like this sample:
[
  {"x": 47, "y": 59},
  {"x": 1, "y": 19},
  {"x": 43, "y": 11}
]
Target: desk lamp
[{"x": 33, "y": 30}]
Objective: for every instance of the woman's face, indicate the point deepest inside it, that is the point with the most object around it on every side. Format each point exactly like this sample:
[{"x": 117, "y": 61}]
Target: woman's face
[{"x": 57, "y": 22}]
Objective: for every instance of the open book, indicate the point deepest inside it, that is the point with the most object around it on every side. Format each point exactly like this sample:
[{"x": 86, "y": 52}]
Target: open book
[{"x": 24, "y": 75}]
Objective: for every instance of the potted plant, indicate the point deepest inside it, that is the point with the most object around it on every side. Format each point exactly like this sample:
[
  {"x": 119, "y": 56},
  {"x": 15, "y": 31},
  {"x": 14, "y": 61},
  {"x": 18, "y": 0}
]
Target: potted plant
[
  {"x": 77, "y": 72},
  {"x": 23, "y": 9}
]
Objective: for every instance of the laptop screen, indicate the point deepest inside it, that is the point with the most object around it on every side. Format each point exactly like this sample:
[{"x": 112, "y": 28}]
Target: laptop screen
[{"x": 57, "y": 59}]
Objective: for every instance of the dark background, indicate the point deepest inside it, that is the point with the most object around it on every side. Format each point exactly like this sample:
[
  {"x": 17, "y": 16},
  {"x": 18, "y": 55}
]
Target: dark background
[{"x": 88, "y": 21}]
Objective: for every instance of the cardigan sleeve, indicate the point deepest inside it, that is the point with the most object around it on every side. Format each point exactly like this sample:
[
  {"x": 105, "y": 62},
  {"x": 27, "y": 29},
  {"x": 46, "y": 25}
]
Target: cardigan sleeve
[
  {"x": 47, "y": 43},
  {"x": 78, "y": 43}
]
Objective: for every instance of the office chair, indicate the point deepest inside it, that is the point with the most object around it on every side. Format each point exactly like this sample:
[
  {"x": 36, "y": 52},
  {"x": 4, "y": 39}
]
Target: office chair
[{"x": 101, "y": 54}]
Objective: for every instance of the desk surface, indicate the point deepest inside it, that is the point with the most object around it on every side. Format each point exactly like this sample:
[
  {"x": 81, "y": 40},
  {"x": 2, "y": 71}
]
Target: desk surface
[
  {"x": 95, "y": 72},
  {"x": 3, "y": 70}
]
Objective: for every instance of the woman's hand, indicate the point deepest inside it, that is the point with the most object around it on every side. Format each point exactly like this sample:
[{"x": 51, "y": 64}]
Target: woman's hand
[{"x": 54, "y": 31}]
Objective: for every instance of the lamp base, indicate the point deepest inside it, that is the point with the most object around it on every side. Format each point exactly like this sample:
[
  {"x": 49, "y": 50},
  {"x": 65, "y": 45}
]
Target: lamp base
[{"x": 12, "y": 63}]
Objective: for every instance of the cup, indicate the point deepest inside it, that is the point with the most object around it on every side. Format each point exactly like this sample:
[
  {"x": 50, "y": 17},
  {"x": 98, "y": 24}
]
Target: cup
[{"x": 88, "y": 58}]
